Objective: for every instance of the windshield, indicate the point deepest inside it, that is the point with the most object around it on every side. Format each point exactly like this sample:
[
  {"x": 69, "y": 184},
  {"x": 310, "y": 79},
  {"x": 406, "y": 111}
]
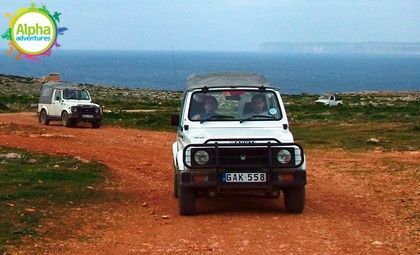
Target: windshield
[
  {"x": 234, "y": 105},
  {"x": 76, "y": 94}
]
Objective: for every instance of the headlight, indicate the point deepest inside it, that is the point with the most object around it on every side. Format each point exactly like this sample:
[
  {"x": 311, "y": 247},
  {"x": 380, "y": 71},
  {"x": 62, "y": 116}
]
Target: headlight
[
  {"x": 73, "y": 109},
  {"x": 201, "y": 157},
  {"x": 97, "y": 110},
  {"x": 284, "y": 156}
]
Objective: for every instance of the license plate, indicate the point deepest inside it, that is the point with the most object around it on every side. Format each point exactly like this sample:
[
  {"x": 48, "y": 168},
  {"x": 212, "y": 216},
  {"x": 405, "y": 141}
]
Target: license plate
[
  {"x": 87, "y": 116},
  {"x": 244, "y": 177}
]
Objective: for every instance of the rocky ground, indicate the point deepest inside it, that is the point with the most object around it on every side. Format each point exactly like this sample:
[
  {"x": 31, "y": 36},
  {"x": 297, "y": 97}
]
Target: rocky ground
[{"x": 22, "y": 93}]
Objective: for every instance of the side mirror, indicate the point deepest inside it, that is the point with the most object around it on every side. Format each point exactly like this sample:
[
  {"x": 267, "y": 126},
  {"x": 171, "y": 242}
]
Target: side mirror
[
  {"x": 175, "y": 119},
  {"x": 57, "y": 98}
]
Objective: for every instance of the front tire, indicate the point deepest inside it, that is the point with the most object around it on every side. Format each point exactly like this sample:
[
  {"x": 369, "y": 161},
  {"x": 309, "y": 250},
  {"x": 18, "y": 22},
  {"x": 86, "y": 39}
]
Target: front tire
[
  {"x": 43, "y": 118},
  {"x": 186, "y": 201},
  {"x": 176, "y": 186},
  {"x": 65, "y": 121},
  {"x": 294, "y": 199}
]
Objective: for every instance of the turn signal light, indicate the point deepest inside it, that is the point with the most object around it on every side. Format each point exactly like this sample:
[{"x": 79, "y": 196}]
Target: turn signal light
[
  {"x": 200, "y": 178},
  {"x": 286, "y": 177}
]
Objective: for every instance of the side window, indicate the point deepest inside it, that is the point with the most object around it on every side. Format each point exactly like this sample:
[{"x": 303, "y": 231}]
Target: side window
[{"x": 57, "y": 95}]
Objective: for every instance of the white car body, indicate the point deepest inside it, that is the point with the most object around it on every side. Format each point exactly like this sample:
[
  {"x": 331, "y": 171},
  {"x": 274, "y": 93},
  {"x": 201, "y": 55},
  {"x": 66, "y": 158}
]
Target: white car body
[
  {"x": 198, "y": 133},
  {"x": 330, "y": 100},
  {"x": 55, "y": 106}
]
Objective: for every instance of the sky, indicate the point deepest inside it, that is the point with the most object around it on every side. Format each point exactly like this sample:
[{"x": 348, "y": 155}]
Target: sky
[{"x": 225, "y": 25}]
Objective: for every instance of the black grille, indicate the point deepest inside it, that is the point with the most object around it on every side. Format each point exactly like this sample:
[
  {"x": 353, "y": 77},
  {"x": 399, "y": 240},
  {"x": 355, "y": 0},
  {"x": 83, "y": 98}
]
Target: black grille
[
  {"x": 86, "y": 110},
  {"x": 228, "y": 156},
  {"x": 243, "y": 156}
]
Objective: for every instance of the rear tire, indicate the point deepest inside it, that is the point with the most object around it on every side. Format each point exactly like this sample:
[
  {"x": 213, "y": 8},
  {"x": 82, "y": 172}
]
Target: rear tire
[
  {"x": 43, "y": 118},
  {"x": 186, "y": 201},
  {"x": 97, "y": 123},
  {"x": 294, "y": 199},
  {"x": 65, "y": 121}
]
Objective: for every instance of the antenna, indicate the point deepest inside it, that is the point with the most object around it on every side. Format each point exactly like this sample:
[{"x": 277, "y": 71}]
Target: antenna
[{"x": 174, "y": 67}]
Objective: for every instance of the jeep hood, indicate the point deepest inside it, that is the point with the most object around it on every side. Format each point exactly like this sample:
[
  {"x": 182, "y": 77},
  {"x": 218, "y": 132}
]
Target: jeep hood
[
  {"x": 79, "y": 102},
  {"x": 202, "y": 134}
]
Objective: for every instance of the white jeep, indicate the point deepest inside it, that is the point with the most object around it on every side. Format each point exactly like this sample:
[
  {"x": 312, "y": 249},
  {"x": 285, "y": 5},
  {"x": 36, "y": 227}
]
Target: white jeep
[
  {"x": 233, "y": 135},
  {"x": 68, "y": 104},
  {"x": 329, "y": 99}
]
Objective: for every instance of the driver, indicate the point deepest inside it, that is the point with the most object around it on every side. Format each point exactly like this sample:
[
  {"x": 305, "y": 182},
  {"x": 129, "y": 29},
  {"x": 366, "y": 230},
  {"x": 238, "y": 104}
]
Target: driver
[
  {"x": 259, "y": 106},
  {"x": 70, "y": 94},
  {"x": 210, "y": 107}
]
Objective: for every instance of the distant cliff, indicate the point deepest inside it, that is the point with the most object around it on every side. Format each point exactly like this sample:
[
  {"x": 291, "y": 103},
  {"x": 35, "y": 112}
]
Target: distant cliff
[{"x": 343, "y": 48}]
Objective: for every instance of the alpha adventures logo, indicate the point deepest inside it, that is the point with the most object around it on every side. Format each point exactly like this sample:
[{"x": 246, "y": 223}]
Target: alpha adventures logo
[{"x": 33, "y": 32}]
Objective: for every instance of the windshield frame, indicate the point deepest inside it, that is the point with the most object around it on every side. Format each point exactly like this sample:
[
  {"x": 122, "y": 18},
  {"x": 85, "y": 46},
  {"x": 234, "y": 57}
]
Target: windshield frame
[
  {"x": 78, "y": 93},
  {"x": 281, "y": 115}
]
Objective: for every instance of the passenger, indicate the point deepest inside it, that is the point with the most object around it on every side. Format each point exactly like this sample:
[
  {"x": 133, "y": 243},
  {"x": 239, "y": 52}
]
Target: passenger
[
  {"x": 259, "y": 106},
  {"x": 210, "y": 107}
]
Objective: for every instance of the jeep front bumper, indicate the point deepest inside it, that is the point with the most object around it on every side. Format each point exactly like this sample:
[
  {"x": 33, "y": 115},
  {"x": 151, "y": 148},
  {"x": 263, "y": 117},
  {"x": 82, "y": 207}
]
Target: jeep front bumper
[
  {"x": 85, "y": 117},
  {"x": 277, "y": 179},
  {"x": 258, "y": 157}
]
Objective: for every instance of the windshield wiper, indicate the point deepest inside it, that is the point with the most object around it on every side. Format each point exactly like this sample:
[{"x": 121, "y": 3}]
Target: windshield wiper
[
  {"x": 217, "y": 116},
  {"x": 257, "y": 116}
]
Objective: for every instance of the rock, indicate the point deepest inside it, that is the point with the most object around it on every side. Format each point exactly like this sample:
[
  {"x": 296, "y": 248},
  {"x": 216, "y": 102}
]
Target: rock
[
  {"x": 90, "y": 187},
  {"x": 10, "y": 205},
  {"x": 144, "y": 204},
  {"x": 56, "y": 166},
  {"x": 373, "y": 140},
  {"x": 377, "y": 243},
  {"x": 165, "y": 217},
  {"x": 82, "y": 159},
  {"x": 11, "y": 155},
  {"x": 32, "y": 161},
  {"x": 30, "y": 210}
]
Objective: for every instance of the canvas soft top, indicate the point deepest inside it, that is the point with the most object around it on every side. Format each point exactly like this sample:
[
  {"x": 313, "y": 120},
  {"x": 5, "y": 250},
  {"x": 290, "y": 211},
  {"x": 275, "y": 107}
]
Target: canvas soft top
[
  {"x": 227, "y": 79},
  {"x": 48, "y": 90}
]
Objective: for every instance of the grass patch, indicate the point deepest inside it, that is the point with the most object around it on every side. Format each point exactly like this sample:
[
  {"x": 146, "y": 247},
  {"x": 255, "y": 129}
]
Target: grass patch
[
  {"x": 159, "y": 120},
  {"x": 36, "y": 186},
  {"x": 390, "y": 136}
]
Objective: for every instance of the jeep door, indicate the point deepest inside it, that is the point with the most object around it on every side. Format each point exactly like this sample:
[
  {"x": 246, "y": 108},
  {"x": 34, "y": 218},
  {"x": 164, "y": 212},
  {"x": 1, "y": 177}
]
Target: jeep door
[{"x": 55, "y": 109}]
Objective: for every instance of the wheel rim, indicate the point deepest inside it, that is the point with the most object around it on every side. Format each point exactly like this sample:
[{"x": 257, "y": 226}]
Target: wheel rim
[{"x": 64, "y": 119}]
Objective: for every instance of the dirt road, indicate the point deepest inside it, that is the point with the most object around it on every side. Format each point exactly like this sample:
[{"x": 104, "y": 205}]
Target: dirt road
[{"x": 357, "y": 203}]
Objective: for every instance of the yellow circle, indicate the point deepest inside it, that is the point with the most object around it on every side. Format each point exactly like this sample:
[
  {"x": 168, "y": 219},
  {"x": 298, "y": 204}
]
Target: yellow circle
[{"x": 52, "y": 25}]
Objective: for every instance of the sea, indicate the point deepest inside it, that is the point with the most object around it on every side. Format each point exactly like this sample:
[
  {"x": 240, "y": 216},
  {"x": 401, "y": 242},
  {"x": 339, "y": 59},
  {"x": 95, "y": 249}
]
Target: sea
[{"x": 166, "y": 70}]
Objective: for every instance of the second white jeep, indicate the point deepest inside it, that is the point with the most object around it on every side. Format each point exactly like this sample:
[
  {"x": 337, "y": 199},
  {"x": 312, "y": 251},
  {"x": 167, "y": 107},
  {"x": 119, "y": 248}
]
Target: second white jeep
[
  {"x": 233, "y": 135},
  {"x": 68, "y": 104}
]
